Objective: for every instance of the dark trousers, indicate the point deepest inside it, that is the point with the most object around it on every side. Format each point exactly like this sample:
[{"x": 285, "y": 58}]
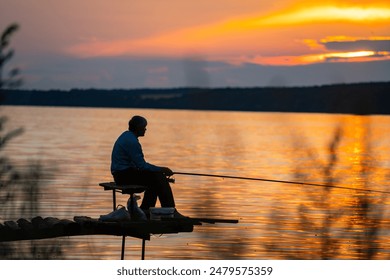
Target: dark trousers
[{"x": 156, "y": 182}]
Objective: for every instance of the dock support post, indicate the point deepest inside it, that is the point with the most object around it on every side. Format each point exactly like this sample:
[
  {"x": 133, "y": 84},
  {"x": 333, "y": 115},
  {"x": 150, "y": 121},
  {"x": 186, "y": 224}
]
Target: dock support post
[
  {"x": 123, "y": 247},
  {"x": 143, "y": 249},
  {"x": 125, "y": 189},
  {"x": 113, "y": 199}
]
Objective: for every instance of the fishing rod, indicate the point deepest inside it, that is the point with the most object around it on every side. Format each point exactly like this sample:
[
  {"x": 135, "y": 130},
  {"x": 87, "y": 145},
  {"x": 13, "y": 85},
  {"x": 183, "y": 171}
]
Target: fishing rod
[{"x": 280, "y": 181}]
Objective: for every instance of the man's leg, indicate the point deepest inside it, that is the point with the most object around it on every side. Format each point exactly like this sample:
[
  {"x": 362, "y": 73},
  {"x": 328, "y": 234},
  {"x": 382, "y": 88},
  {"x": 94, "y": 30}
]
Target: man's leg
[
  {"x": 149, "y": 200},
  {"x": 136, "y": 177},
  {"x": 158, "y": 187}
]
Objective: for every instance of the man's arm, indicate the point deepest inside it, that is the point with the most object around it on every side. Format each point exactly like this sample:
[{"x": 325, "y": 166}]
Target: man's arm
[
  {"x": 167, "y": 171},
  {"x": 139, "y": 160}
]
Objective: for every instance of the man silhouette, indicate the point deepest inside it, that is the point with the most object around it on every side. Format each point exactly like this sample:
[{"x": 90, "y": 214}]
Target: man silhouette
[{"x": 128, "y": 166}]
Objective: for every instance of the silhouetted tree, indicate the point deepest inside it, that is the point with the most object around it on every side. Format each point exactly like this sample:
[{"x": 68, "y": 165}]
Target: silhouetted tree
[
  {"x": 18, "y": 185},
  {"x": 13, "y": 79},
  {"x": 8, "y": 174}
]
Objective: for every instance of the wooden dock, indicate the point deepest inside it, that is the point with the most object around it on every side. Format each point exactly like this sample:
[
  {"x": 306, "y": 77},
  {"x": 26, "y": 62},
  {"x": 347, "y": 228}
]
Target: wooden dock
[
  {"x": 41, "y": 228},
  {"x": 50, "y": 227}
]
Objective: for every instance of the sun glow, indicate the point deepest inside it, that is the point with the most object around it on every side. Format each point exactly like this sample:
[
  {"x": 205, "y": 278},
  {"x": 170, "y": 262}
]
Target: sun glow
[
  {"x": 337, "y": 56},
  {"x": 350, "y": 54},
  {"x": 357, "y": 56}
]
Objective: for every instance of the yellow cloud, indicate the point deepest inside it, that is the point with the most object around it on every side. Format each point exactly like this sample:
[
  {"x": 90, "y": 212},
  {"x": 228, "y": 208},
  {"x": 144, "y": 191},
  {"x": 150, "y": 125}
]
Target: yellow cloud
[
  {"x": 328, "y": 14},
  {"x": 319, "y": 14}
]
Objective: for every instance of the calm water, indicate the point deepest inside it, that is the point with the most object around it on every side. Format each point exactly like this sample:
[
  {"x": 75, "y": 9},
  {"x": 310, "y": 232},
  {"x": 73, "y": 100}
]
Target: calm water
[{"x": 276, "y": 221}]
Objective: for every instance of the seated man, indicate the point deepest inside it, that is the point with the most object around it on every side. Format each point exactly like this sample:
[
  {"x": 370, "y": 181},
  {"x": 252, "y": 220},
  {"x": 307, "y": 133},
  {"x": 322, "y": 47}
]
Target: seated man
[{"x": 128, "y": 166}]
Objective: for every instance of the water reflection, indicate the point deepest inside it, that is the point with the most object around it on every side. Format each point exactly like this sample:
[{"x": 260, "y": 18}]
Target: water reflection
[
  {"x": 221, "y": 246},
  {"x": 277, "y": 221},
  {"x": 338, "y": 224}
]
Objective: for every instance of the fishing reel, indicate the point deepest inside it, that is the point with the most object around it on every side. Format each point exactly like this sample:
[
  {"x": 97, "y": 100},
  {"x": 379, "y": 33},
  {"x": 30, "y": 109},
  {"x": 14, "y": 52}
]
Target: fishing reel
[{"x": 170, "y": 179}]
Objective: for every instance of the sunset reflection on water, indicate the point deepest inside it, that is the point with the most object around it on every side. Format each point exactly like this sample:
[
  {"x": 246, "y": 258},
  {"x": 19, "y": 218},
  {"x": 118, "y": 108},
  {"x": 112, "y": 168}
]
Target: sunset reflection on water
[{"x": 276, "y": 221}]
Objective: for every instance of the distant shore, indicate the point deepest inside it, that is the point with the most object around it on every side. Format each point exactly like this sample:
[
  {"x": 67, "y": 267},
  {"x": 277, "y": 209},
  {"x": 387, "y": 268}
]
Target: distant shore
[{"x": 362, "y": 98}]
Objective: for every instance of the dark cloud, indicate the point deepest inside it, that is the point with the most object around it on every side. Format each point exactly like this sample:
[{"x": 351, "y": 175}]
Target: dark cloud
[
  {"x": 252, "y": 75},
  {"x": 60, "y": 72},
  {"x": 358, "y": 45}
]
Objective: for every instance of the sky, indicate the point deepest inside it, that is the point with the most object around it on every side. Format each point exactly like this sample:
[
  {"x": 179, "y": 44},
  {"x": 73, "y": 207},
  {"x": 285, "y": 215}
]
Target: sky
[{"x": 205, "y": 43}]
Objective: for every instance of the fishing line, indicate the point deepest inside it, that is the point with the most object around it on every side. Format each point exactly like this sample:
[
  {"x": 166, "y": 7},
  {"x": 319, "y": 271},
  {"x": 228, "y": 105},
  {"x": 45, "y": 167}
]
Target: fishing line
[{"x": 280, "y": 181}]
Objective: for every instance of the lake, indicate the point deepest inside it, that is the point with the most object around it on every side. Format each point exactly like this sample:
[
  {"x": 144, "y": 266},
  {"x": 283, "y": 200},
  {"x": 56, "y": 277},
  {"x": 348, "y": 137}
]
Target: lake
[{"x": 72, "y": 146}]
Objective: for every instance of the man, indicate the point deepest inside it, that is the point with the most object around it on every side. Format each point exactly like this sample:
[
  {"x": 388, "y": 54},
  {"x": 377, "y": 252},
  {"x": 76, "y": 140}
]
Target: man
[{"x": 128, "y": 166}]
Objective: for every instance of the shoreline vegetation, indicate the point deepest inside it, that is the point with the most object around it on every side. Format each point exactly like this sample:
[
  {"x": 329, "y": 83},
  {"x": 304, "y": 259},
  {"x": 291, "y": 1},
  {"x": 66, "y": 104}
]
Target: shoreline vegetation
[{"x": 359, "y": 98}]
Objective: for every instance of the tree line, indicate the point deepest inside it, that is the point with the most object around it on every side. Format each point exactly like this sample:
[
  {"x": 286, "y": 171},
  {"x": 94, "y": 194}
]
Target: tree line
[{"x": 359, "y": 98}]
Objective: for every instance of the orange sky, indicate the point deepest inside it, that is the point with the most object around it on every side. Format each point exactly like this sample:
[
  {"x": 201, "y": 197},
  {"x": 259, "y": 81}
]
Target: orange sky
[
  {"x": 302, "y": 28},
  {"x": 264, "y": 33}
]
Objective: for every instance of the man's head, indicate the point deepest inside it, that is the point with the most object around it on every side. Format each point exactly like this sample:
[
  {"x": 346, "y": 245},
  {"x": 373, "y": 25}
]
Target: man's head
[{"x": 137, "y": 125}]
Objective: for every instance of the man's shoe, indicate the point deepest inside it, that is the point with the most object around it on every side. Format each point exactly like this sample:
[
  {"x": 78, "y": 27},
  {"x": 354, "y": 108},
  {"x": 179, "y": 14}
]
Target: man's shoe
[{"x": 177, "y": 215}]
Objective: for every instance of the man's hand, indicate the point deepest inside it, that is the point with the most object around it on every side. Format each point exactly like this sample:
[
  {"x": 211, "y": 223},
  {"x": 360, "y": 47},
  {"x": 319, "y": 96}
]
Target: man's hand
[{"x": 167, "y": 171}]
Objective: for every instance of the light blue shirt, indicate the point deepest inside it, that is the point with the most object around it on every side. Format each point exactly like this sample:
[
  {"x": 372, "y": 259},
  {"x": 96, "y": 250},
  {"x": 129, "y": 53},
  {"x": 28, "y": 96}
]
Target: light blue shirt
[{"x": 127, "y": 153}]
